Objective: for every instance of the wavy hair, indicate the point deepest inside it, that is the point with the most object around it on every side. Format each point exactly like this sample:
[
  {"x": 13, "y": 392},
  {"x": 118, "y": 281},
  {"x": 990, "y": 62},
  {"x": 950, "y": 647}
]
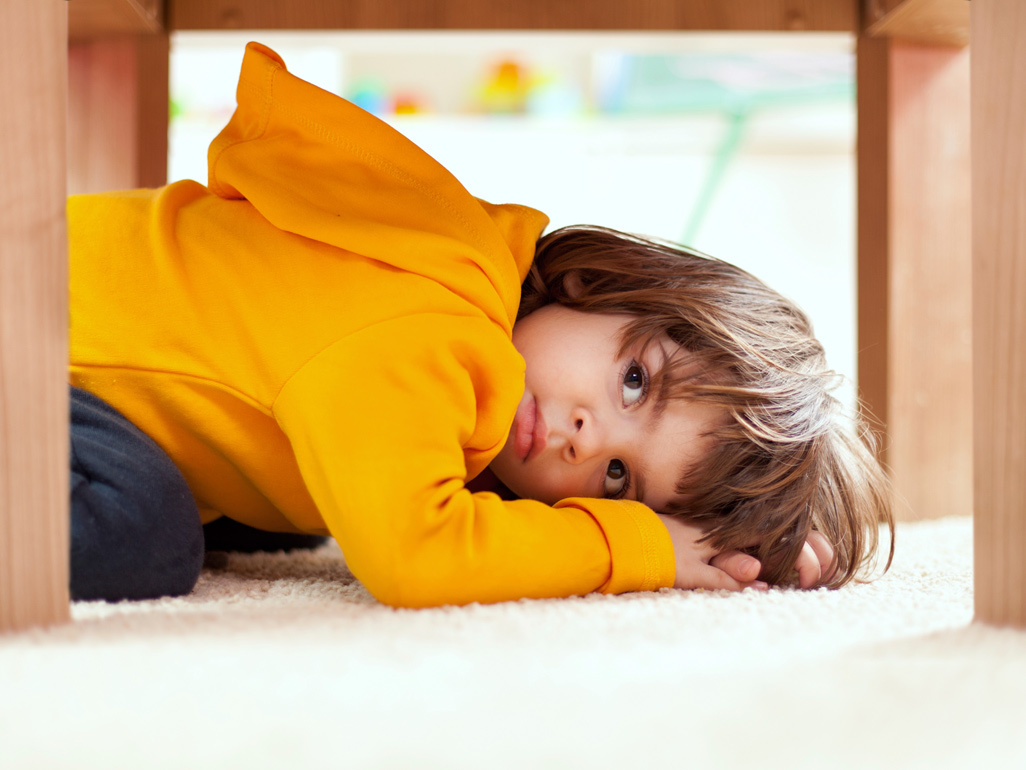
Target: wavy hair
[{"x": 786, "y": 459}]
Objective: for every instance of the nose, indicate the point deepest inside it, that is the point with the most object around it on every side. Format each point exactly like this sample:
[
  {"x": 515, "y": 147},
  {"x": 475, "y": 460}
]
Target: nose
[{"x": 588, "y": 436}]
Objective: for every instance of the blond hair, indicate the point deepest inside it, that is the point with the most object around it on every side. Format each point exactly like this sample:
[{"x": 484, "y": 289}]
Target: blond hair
[{"x": 786, "y": 460}]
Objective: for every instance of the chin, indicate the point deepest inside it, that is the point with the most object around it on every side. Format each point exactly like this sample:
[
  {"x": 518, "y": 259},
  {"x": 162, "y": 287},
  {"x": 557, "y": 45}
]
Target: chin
[
  {"x": 510, "y": 472},
  {"x": 517, "y": 491}
]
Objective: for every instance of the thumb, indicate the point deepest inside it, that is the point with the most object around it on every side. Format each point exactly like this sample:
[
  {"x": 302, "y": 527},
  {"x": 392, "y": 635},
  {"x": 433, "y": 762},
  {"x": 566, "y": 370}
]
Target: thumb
[{"x": 702, "y": 576}]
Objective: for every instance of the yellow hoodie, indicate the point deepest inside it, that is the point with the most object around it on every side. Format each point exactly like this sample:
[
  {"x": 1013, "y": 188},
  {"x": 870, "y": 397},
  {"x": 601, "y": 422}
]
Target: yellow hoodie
[{"x": 320, "y": 339}]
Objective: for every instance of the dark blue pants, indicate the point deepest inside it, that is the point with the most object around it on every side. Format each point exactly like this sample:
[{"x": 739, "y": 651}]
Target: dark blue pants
[{"x": 135, "y": 528}]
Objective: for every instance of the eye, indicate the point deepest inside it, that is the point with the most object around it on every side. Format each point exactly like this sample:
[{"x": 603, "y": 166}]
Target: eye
[
  {"x": 616, "y": 482},
  {"x": 634, "y": 384}
]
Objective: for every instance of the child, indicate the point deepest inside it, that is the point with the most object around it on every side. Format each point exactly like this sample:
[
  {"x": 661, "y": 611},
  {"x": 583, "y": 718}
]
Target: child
[{"x": 319, "y": 342}]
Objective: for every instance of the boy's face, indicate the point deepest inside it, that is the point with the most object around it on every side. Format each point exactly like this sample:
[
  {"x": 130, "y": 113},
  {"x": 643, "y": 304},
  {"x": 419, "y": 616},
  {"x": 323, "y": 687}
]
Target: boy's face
[{"x": 589, "y": 424}]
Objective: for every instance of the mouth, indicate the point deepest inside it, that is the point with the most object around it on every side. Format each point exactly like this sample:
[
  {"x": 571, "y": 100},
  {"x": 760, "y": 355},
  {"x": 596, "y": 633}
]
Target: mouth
[{"x": 530, "y": 435}]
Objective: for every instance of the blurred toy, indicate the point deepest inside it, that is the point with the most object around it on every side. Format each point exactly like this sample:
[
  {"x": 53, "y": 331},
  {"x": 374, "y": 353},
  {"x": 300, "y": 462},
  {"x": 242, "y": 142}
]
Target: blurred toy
[
  {"x": 371, "y": 95},
  {"x": 505, "y": 91}
]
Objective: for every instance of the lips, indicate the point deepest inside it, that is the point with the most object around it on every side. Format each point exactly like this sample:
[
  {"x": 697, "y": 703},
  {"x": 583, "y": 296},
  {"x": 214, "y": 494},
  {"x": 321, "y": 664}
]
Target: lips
[{"x": 530, "y": 431}]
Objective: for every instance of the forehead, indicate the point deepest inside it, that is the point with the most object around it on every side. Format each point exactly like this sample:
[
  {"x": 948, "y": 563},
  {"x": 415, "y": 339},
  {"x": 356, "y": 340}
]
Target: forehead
[
  {"x": 674, "y": 445},
  {"x": 554, "y": 317}
]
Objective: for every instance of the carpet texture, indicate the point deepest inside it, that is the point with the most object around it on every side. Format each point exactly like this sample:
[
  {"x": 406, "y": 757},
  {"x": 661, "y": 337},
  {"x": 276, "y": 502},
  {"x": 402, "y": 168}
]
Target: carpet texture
[{"x": 284, "y": 660}]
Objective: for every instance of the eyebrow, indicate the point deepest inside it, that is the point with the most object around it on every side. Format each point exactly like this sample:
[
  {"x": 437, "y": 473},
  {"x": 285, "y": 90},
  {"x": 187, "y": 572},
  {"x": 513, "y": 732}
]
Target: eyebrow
[
  {"x": 639, "y": 483},
  {"x": 639, "y": 466},
  {"x": 659, "y": 380}
]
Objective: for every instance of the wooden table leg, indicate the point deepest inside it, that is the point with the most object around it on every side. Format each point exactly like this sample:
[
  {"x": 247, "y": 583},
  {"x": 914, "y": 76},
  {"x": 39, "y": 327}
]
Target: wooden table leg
[
  {"x": 117, "y": 112},
  {"x": 998, "y": 28},
  {"x": 33, "y": 315},
  {"x": 914, "y": 266}
]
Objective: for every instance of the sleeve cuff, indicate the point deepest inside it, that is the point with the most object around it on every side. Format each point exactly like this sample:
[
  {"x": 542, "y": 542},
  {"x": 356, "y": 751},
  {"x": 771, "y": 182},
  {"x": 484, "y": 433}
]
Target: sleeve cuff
[{"x": 640, "y": 550}]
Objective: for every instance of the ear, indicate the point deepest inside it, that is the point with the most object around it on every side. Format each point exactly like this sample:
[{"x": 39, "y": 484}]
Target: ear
[{"x": 572, "y": 284}]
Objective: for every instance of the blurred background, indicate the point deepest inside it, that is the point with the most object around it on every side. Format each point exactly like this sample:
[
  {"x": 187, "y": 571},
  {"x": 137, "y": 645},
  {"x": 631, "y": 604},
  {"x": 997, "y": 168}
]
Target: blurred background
[{"x": 739, "y": 145}]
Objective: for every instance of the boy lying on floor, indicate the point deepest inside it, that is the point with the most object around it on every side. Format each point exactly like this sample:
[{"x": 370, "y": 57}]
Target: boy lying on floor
[{"x": 335, "y": 338}]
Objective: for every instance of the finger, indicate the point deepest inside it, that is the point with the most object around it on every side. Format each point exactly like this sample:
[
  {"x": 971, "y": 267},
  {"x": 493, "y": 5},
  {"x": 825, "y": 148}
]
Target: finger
[
  {"x": 824, "y": 553},
  {"x": 809, "y": 570},
  {"x": 713, "y": 579},
  {"x": 740, "y": 566}
]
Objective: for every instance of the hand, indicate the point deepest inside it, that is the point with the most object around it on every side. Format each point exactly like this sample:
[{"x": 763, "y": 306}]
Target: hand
[
  {"x": 815, "y": 563},
  {"x": 700, "y": 565}
]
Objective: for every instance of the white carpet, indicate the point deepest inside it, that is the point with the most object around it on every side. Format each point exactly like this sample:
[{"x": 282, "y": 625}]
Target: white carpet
[{"x": 282, "y": 661}]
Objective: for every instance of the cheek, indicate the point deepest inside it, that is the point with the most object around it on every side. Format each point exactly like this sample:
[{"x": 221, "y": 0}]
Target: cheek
[
  {"x": 556, "y": 482},
  {"x": 541, "y": 368}
]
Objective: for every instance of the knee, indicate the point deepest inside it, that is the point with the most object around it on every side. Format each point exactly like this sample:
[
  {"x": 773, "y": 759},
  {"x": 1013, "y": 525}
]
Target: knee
[
  {"x": 134, "y": 535},
  {"x": 135, "y": 528}
]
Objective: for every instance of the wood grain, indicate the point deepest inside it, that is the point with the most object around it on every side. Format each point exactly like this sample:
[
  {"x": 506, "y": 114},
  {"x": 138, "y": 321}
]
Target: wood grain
[
  {"x": 914, "y": 269},
  {"x": 872, "y": 74},
  {"x": 33, "y": 316},
  {"x": 106, "y": 18},
  {"x": 930, "y": 240},
  {"x": 936, "y": 22},
  {"x": 782, "y": 15},
  {"x": 999, "y": 310}
]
